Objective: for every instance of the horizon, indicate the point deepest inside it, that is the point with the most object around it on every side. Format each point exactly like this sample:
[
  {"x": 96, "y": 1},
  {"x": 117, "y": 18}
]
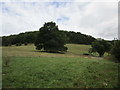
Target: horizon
[{"x": 59, "y": 30}]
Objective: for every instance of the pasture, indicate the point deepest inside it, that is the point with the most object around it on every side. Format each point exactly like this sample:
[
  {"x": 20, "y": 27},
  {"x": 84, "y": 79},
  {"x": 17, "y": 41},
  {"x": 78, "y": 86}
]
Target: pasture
[
  {"x": 75, "y": 50},
  {"x": 25, "y": 67}
]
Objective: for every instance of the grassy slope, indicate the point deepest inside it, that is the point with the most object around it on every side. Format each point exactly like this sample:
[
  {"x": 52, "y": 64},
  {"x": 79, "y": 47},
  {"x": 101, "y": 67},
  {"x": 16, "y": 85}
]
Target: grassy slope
[
  {"x": 28, "y": 68},
  {"x": 74, "y": 51}
]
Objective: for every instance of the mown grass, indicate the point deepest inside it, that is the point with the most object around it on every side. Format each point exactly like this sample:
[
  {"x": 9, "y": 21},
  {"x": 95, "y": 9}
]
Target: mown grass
[
  {"x": 28, "y": 68},
  {"x": 74, "y": 50}
]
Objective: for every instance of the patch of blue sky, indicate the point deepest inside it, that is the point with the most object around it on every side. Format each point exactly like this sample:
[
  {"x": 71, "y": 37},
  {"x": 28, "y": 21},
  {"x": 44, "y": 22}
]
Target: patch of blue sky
[
  {"x": 34, "y": 3},
  {"x": 62, "y": 18},
  {"x": 29, "y": 3},
  {"x": 4, "y": 8},
  {"x": 1, "y": 4},
  {"x": 58, "y": 4},
  {"x": 7, "y": 10}
]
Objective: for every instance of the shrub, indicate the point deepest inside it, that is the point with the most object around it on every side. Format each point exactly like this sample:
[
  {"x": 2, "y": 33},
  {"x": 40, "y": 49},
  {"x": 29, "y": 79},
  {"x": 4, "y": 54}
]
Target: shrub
[
  {"x": 100, "y": 46},
  {"x": 25, "y": 43},
  {"x": 39, "y": 47},
  {"x": 18, "y": 44},
  {"x": 115, "y": 51},
  {"x": 86, "y": 54}
]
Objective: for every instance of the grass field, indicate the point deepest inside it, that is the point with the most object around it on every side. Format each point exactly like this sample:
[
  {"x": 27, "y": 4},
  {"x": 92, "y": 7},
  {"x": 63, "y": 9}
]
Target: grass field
[
  {"x": 74, "y": 50},
  {"x": 24, "y": 67}
]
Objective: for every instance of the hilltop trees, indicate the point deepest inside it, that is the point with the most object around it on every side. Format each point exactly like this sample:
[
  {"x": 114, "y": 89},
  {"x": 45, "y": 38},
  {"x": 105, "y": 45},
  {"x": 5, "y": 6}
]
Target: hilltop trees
[
  {"x": 50, "y": 39},
  {"x": 100, "y": 46},
  {"x": 79, "y": 38},
  {"x": 6, "y": 41},
  {"x": 23, "y": 38},
  {"x": 30, "y": 37}
]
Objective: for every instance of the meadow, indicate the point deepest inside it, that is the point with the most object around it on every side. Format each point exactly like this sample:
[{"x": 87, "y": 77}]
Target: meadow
[{"x": 25, "y": 67}]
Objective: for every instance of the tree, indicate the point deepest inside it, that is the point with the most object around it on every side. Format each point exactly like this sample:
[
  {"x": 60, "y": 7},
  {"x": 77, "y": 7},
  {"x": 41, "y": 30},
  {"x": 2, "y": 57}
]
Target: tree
[
  {"x": 101, "y": 46},
  {"x": 116, "y": 49},
  {"x": 6, "y": 41},
  {"x": 18, "y": 44},
  {"x": 50, "y": 39},
  {"x": 25, "y": 43}
]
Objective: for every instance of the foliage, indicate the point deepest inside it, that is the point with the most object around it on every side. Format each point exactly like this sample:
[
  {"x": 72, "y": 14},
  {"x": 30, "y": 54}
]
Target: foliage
[
  {"x": 79, "y": 38},
  {"x": 6, "y": 41},
  {"x": 27, "y": 37},
  {"x": 50, "y": 39},
  {"x": 30, "y": 37},
  {"x": 116, "y": 49},
  {"x": 18, "y": 44},
  {"x": 100, "y": 46},
  {"x": 25, "y": 43}
]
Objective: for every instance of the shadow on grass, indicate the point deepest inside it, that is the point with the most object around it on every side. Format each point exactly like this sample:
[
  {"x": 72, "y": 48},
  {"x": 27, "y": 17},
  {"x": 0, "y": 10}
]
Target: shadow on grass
[{"x": 51, "y": 52}]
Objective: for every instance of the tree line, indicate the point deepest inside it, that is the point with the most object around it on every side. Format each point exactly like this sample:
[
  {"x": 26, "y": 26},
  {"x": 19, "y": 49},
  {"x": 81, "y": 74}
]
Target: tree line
[
  {"x": 30, "y": 37},
  {"x": 22, "y": 38}
]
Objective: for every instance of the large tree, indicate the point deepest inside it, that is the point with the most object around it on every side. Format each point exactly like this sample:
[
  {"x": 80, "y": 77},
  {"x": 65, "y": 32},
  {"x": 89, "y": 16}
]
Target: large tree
[
  {"x": 101, "y": 46},
  {"x": 50, "y": 39}
]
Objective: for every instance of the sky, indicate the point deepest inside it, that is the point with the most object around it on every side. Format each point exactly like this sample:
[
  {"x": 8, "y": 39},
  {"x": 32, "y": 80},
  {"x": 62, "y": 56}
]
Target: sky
[{"x": 98, "y": 19}]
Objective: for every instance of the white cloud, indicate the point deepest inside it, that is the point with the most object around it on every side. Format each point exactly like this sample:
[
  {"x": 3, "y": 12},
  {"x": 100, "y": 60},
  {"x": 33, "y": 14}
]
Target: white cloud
[{"x": 98, "y": 19}]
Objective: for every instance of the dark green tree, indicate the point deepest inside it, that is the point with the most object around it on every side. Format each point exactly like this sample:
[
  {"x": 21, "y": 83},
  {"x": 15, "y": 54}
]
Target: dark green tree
[
  {"x": 116, "y": 49},
  {"x": 6, "y": 41},
  {"x": 30, "y": 37},
  {"x": 25, "y": 43},
  {"x": 101, "y": 46},
  {"x": 50, "y": 39}
]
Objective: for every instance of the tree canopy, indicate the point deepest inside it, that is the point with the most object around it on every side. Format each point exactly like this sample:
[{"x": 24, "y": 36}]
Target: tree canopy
[
  {"x": 101, "y": 46},
  {"x": 50, "y": 39}
]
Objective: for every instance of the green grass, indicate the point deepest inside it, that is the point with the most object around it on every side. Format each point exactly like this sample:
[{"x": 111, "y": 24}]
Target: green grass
[
  {"x": 29, "y": 69},
  {"x": 75, "y": 50}
]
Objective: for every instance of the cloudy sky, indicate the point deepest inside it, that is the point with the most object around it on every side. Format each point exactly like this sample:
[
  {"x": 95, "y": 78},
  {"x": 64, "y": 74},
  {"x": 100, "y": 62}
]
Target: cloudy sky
[{"x": 99, "y": 19}]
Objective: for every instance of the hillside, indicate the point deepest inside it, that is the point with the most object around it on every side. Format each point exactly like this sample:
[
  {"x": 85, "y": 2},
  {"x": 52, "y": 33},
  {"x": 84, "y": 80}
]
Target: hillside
[
  {"x": 74, "y": 50},
  {"x": 29, "y": 68}
]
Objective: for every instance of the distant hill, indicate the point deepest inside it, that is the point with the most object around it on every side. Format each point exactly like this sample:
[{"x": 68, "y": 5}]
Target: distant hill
[{"x": 30, "y": 37}]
